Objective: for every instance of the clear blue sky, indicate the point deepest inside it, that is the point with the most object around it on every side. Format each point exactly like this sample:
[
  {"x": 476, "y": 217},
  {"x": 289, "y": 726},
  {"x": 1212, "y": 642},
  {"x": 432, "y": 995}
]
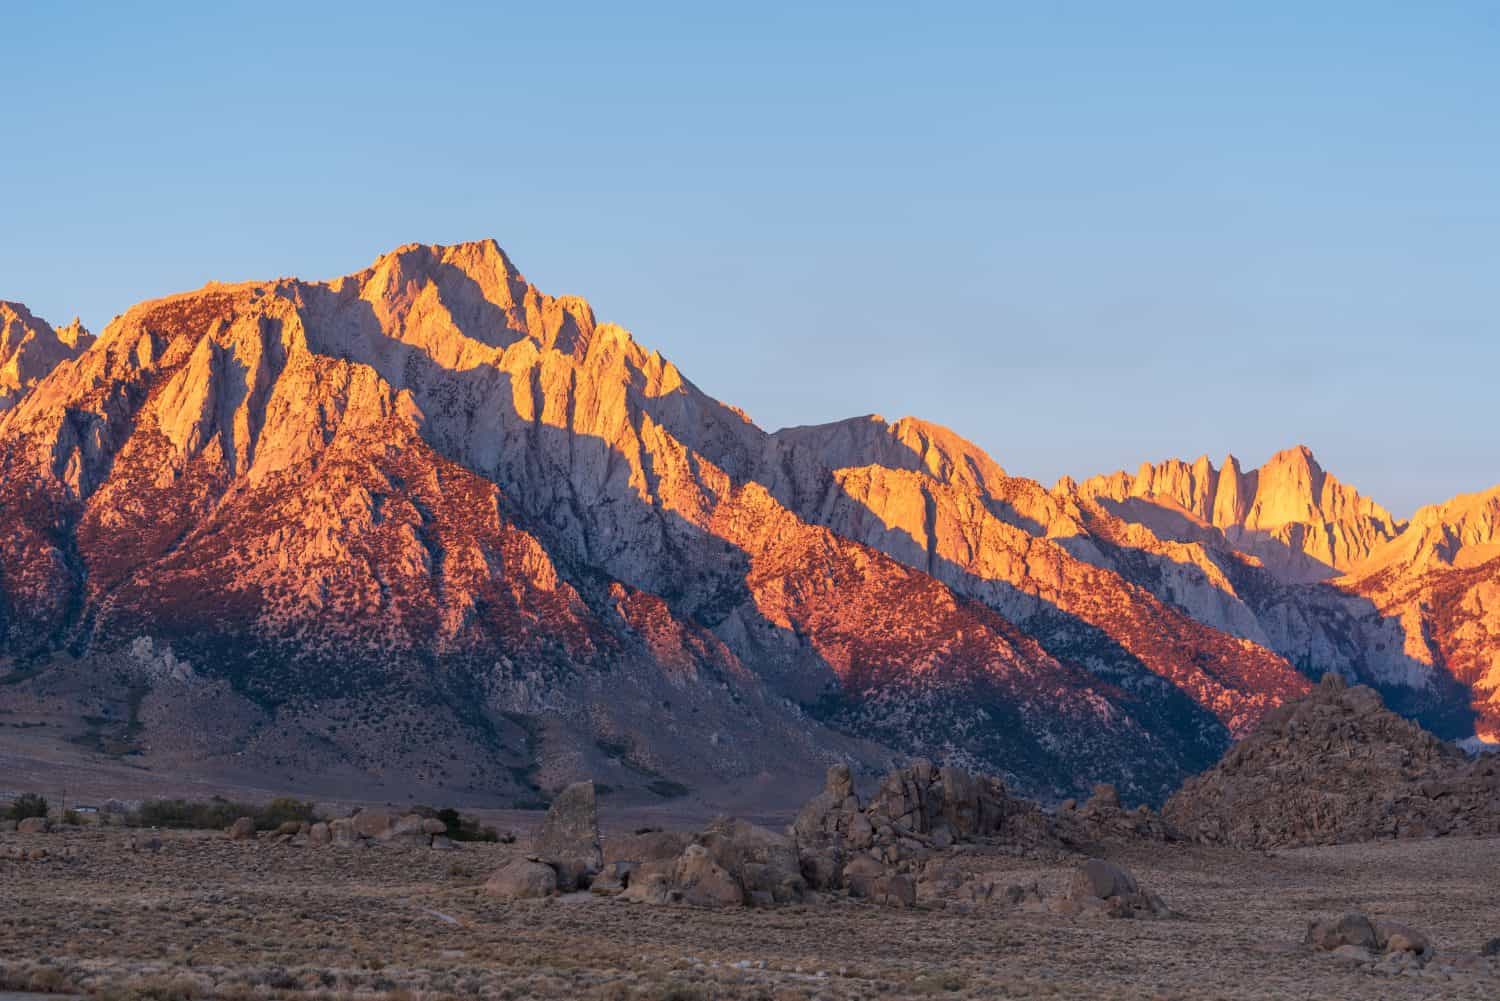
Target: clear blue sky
[{"x": 1082, "y": 235}]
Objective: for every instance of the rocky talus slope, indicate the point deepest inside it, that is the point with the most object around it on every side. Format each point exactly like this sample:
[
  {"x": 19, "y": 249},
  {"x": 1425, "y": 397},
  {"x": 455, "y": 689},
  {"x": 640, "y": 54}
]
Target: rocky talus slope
[{"x": 1334, "y": 768}]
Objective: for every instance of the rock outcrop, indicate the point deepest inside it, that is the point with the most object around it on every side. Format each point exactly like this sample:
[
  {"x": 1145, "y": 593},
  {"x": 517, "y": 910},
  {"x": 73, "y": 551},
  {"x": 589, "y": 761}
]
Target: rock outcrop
[
  {"x": 915, "y": 809},
  {"x": 729, "y": 864},
  {"x": 1356, "y": 938},
  {"x": 1338, "y": 767},
  {"x": 569, "y": 839},
  {"x": 30, "y": 349},
  {"x": 1105, "y": 889},
  {"x": 1440, "y": 582},
  {"x": 1298, "y": 520}
]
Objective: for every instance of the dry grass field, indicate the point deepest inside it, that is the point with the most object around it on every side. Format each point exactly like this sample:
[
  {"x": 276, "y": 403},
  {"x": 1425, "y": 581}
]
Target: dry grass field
[{"x": 207, "y": 917}]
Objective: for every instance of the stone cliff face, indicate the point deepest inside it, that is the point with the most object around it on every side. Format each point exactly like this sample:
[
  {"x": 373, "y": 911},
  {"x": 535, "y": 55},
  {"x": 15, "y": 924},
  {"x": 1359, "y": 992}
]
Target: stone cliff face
[
  {"x": 427, "y": 520},
  {"x": 1440, "y": 579},
  {"x": 1292, "y": 559},
  {"x": 30, "y": 348},
  {"x": 1299, "y": 521}
]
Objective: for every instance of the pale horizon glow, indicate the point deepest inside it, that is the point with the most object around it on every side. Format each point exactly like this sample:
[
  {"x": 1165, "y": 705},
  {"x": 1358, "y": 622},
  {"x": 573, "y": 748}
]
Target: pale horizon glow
[{"x": 1081, "y": 236}]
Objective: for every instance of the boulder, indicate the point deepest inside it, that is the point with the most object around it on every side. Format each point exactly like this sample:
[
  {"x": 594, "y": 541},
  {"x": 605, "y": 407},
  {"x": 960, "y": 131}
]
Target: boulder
[
  {"x": 242, "y": 829},
  {"x": 434, "y": 827},
  {"x": 611, "y": 880},
  {"x": 372, "y": 823},
  {"x": 33, "y": 825},
  {"x": 1350, "y": 929},
  {"x": 343, "y": 832},
  {"x": 569, "y": 840},
  {"x": 860, "y": 874},
  {"x": 897, "y": 890},
  {"x": 764, "y": 863},
  {"x": 650, "y": 882},
  {"x": 1395, "y": 937},
  {"x": 650, "y": 846},
  {"x": 319, "y": 834},
  {"x": 822, "y": 868},
  {"x": 522, "y": 879},
  {"x": 1102, "y": 880},
  {"x": 700, "y": 882},
  {"x": 826, "y": 818},
  {"x": 1355, "y": 954},
  {"x": 289, "y": 827},
  {"x": 1100, "y": 887},
  {"x": 1341, "y": 936},
  {"x": 411, "y": 827}
]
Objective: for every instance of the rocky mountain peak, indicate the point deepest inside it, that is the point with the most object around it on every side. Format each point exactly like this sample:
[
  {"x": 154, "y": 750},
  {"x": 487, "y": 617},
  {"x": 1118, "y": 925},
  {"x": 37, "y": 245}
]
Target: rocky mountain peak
[
  {"x": 30, "y": 349},
  {"x": 1292, "y": 516}
]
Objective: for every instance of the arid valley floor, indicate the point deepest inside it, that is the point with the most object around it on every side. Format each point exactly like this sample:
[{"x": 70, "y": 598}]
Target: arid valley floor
[{"x": 207, "y": 916}]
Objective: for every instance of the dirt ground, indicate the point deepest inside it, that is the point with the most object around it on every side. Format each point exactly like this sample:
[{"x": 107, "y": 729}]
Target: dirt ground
[{"x": 210, "y": 917}]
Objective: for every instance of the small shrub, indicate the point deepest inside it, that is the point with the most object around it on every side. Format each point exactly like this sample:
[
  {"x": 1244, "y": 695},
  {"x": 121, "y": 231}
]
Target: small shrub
[
  {"x": 282, "y": 809},
  {"x": 71, "y": 818},
  {"x": 28, "y": 804},
  {"x": 461, "y": 827}
]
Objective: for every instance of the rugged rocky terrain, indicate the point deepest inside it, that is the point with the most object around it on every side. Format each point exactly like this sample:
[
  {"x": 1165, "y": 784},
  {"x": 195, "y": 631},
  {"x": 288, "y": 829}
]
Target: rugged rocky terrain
[
  {"x": 1298, "y": 520},
  {"x": 1338, "y": 767},
  {"x": 206, "y": 916},
  {"x": 425, "y": 530},
  {"x": 30, "y": 349}
]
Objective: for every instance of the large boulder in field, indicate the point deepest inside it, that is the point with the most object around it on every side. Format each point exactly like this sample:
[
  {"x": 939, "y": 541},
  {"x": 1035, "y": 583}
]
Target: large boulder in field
[
  {"x": 319, "y": 834},
  {"x": 242, "y": 829},
  {"x": 648, "y": 846},
  {"x": 342, "y": 832},
  {"x": 569, "y": 840},
  {"x": 1350, "y": 929},
  {"x": 1354, "y": 935},
  {"x": 651, "y": 882},
  {"x": 826, "y": 818},
  {"x": 764, "y": 863},
  {"x": 372, "y": 823},
  {"x": 1103, "y": 888},
  {"x": 411, "y": 827},
  {"x": 699, "y": 881},
  {"x": 522, "y": 879}
]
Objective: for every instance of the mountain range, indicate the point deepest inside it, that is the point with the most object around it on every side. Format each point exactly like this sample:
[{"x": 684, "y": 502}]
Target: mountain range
[{"x": 425, "y": 527}]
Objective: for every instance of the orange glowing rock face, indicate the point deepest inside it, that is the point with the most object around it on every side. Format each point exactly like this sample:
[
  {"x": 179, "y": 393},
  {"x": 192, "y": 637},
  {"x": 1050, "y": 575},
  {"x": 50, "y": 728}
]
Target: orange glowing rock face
[
  {"x": 30, "y": 348},
  {"x": 429, "y": 477}
]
